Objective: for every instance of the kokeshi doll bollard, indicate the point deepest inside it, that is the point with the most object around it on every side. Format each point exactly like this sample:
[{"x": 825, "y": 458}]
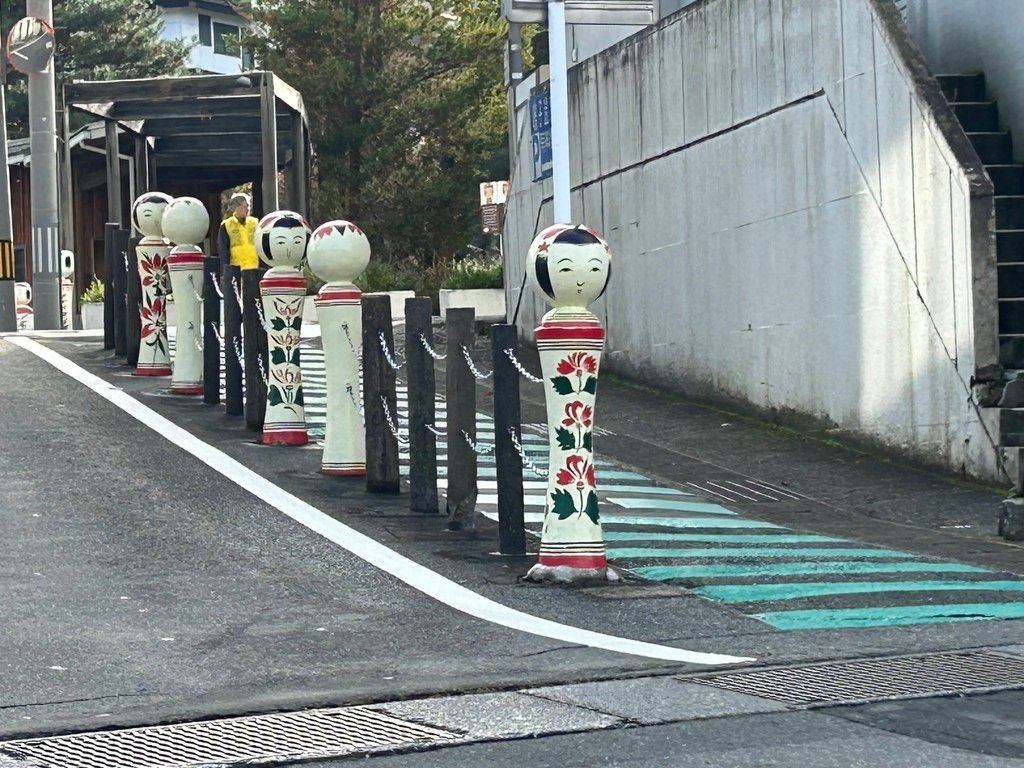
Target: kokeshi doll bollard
[
  {"x": 151, "y": 253},
  {"x": 338, "y": 254},
  {"x": 186, "y": 222},
  {"x": 569, "y": 266},
  {"x": 281, "y": 240}
]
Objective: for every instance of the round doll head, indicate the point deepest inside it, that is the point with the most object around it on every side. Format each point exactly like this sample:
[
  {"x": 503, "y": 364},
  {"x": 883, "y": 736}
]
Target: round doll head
[
  {"x": 147, "y": 213},
  {"x": 281, "y": 238},
  {"x": 338, "y": 252},
  {"x": 569, "y": 265},
  {"x": 185, "y": 221}
]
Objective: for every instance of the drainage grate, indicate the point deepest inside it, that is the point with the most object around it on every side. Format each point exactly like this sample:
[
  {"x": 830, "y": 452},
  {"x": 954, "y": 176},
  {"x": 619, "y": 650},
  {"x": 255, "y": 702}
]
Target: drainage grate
[
  {"x": 864, "y": 680},
  {"x": 744, "y": 490},
  {"x": 294, "y": 735}
]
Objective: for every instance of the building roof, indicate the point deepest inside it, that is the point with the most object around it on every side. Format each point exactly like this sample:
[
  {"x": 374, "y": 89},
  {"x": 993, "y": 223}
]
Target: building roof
[{"x": 216, "y": 6}]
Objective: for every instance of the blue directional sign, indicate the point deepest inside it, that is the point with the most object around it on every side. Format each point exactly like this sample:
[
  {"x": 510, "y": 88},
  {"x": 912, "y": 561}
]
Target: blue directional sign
[{"x": 540, "y": 131}]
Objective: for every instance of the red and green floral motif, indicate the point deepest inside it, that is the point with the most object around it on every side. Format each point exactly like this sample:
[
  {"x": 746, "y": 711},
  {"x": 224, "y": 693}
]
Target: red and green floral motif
[
  {"x": 154, "y": 323},
  {"x": 578, "y": 477},
  {"x": 579, "y": 418},
  {"x": 284, "y": 386},
  {"x": 573, "y": 369}
]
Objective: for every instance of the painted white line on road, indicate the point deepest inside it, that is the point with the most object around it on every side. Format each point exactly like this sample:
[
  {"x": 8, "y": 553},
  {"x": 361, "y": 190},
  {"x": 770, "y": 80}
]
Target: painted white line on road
[{"x": 412, "y": 573}]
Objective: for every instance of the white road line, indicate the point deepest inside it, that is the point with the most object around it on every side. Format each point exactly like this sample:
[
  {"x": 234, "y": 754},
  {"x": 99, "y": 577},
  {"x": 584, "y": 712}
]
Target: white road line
[{"x": 412, "y": 573}]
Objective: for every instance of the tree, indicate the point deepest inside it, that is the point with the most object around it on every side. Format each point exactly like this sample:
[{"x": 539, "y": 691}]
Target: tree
[
  {"x": 406, "y": 107},
  {"x": 97, "y": 40}
]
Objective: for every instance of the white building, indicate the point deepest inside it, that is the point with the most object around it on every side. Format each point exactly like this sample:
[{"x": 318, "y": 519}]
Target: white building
[{"x": 215, "y": 27}]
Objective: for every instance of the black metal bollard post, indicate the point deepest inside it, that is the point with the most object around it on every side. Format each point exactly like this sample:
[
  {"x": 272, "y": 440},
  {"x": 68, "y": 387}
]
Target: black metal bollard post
[
  {"x": 255, "y": 352},
  {"x": 379, "y": 389},
  {"x": 460, "y": 389},
  {"x": 211, "y": 328},
  {"x": 511, "y": 525},
  {"x": 133, "y": 328},
  {"x": 232, "y": 285},
  {"x": 108, "y": 284},
  {"x": 422, "y": 413},
  {"x": 120, "y": 291}
]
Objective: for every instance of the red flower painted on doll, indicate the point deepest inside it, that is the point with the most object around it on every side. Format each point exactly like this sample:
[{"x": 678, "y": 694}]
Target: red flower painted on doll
[
  {"x": 578, "y": 363},
  {"x": 578, "y": 472},
  {"x": 578, "y": 415}
]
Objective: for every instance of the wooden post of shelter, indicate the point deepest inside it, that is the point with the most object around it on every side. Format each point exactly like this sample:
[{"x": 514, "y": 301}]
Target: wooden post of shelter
[{"x": 268, "y": 124}]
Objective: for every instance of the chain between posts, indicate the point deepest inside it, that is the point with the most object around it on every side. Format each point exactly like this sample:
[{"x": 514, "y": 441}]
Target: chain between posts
[
  {"x": 238, "y": 352},
  {"x": 263, "y": 373},
  {"x": 436, "y": 431},
  {"x": 199, "y": 296},
  {"x": 527, "y": 461},
  {"x": 237, "y": 290},
  {"x": 355, "y": 403},
  {"x": 216, "y": 285},
  {"x": 519, "y": 367},
  {"x": 216, "y": 333},
  {"x": 473, "y": 368},
  {"x": 475, "y": 447},
  {"x": 430, "y": 350},
  {"x": 391, "y": 424},
  {"x": 387, "y": 352},
  {"x": 351, "y": 346},
  {"x": 261, "y": 316},
  {"x": 196, "y": 340}
]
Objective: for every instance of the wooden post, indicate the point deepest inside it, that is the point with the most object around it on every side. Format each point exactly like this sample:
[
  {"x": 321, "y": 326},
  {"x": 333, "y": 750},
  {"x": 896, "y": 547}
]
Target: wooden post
[
  {"x": 256, "y": 363},
  {"x": 420, "y": 373},
  {"x": 511, "y": 526},
  {"x": 268, "y": 129},
  {"x": 379, "y": 382},
  {"x": 297, "y": 174},
  {"x": 120, "y": 285},
  {"x": 211, "y": 327},
  {"x": 461, "y": 397},
  {"x": 113, "y": 162},
  {"x": 108, "y": 284},
  {"x": 133, "y": 329},
  {"x": 233, "y": 403}
]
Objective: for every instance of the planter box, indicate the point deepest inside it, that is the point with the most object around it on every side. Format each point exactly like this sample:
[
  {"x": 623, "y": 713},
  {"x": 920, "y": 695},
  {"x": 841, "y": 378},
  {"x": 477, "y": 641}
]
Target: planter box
[
  {"x": 489, "y": 303},
  {"x": 92, "y": 317}
]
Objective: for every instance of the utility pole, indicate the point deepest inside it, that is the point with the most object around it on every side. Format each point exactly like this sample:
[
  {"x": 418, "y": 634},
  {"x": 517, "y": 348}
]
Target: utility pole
[
  {"x": 8, "y": 314},
  {"x": 559, "y": 111}
]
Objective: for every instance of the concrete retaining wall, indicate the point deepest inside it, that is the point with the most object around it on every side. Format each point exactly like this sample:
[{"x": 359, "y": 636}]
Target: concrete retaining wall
[{"x": 797, "y": 221}]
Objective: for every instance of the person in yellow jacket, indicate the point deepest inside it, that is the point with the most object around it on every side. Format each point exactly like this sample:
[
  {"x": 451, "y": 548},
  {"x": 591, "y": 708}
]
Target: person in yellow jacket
[{"x": 235, "y": 241}]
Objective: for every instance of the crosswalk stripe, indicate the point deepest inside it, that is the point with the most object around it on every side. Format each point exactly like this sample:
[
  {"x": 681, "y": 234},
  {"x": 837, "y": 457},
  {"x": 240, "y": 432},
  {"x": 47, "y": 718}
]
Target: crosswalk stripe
[
  {"x": 750, "y": 593},
  {"x": 889, "y": 616},
  {"x": 664, "y": 572},
  {"x": 650, "y": 553}
]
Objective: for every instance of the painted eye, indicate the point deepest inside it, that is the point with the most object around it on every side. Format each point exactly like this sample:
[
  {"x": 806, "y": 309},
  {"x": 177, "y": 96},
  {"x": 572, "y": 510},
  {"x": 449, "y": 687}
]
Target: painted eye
[
  {"x": 565, "y": 269},
  {"x": 595, "y": 269}
]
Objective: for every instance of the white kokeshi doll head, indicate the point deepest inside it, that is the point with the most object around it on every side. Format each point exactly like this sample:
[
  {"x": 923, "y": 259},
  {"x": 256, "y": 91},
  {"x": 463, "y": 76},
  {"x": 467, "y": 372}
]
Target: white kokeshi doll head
[
  {"x": 147, "y": 213},
  {"x": 569, "y": 265},
  {"x": 338, "y": 252},
  {"x": 281, "y": 238},
  {"x": 186, "y": 221}
]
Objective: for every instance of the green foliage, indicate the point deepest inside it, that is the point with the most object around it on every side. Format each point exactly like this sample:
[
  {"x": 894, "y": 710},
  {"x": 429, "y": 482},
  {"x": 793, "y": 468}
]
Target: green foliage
[
  {"x": 566, "y": 439},
  {"x": 563, "y": 505},
  {"x": 93, "y": 294},
  {"x": 474, "y": 273},
  {"x": 97, "y": 40},
  {"x": 382, "y": 276},
  {"x": 407, "y": 111}
]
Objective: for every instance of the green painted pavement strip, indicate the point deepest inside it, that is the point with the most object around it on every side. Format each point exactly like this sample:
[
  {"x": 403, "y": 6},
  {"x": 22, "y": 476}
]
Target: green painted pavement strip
[
  {"x": 631, "y": 553},
  {"x": 643, "y": 489},
  {"x": 723, "y": 538},
  {"x": 890, "y": 616},
  {"x": 611, "y": 474},
  {"x": 670, "y": 505},
  {"x": 662, "y": 572},
  {"x": 752, "y": 593},
  {"x": 611, "y": 518}
]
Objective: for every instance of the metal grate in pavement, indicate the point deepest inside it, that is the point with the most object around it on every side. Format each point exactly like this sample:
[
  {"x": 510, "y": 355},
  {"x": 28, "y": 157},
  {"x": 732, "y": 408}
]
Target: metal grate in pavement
[
  {"x": 294, "y": 735},
  {"x": 744, "y": 490},
  {"x": 865, "y": 680}
]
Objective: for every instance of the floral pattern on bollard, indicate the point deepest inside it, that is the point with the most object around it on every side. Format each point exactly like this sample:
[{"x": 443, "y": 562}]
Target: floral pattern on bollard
[
  {"x": 281, "y": 239},
  {"x": 569, "y": 267},
  {"x": 151, "y": 253}
]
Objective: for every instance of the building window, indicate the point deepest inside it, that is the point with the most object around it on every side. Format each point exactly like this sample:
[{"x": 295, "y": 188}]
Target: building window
[
  {"x": 205, "y": 36},
  {"x": 227, "y": 39}
]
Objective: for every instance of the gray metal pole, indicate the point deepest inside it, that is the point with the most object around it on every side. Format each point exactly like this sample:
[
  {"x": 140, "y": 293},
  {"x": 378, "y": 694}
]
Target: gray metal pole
[
  {"x": 559, "y": 112},
  {"x": 42, "y": 116},
  {"x": 8, "y": 315}
]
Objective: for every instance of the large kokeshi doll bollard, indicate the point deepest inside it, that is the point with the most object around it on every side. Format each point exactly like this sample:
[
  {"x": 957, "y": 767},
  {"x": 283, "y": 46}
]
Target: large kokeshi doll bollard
[
  {"x": 281, "y": 240},
  {"x": 569, "y": 267},
  {"x": 151, "y": 253},
  {"x": 338, "y": 254},
  {"x": 187, "y": 222}
]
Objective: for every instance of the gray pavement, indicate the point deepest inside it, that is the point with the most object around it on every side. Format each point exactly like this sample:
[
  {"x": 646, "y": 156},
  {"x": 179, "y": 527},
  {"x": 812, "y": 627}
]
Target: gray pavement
[{"x": 146, "y": 588}]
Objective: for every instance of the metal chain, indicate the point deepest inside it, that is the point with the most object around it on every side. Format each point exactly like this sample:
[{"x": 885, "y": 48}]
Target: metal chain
[
  {"x": 430, "y": 350},
  {"x": 437, "y": 432},
  {"x": 216, "y": 333},
  {"x": 263, "y": 372},
  {"x": 387, "y": 352},
  {"x": 351, "y": 345},
  {"x": 476, "y": 448},
  {"x": 391, "y": 423},
  {"x": 238, "y": 351},
  {"x": 527, "y": 461},
  {"x": 197, "y": 341},
  {"x": 216, "y": 284},
  {"x": 473, "y": 368},
  {"x": 519, "y": 367},
  {"x": 125, "y": 254},
  {"x": 237, "y": 290},
  {"x": 355, "y": 403},
  {"x": 261, "y": 316},
  {"x": 192, "y": 282}
]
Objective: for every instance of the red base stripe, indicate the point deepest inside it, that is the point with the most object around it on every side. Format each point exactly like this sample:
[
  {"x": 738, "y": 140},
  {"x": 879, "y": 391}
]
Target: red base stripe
[
  {"x": 285, "y": 437},
  {"x": 352, "y": 472},
  {"x": 162, "y": 371},
  {"x": 581, "y": 560},
  {"x": 190, "y": 389}
]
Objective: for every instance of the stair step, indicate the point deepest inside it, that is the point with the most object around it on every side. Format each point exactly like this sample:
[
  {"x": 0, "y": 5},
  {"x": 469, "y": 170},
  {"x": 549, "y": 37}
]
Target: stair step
[
  {"x": 1010, "y": 245},
  {"x": 1009, "y": 212},
  {"x": 1011, "y": 316},
  {"x": 1007, "y": 179},
  {"x": 1011, "y": 281},
  {"x": 963, "y": 87},
  {"x": 993, "y": 147},
  {"x": 977, "y": 115},
  {"x": 1011, "y": 351}
]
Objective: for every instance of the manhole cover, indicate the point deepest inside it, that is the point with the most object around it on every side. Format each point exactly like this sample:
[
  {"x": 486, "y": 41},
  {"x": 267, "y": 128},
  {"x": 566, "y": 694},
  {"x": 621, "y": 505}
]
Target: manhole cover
[
  {"x": 864, "y": 680},
  {"x": 295, "y": 735}
]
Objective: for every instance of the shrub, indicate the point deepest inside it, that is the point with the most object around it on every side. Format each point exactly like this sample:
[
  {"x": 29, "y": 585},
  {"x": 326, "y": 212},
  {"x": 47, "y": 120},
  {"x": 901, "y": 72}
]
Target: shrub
[
  {"x": 474, "y": 272},
  {"x": 93, "y": 294},
  {"x": 383, "y": 276}
]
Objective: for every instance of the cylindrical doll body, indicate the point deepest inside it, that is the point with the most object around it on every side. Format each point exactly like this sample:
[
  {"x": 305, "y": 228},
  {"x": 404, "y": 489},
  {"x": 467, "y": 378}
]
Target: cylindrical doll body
[
  {"x": 185, "y": 267},
  {"x": 283, "y": 290},
  {"x": 151, "y": 254}
]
